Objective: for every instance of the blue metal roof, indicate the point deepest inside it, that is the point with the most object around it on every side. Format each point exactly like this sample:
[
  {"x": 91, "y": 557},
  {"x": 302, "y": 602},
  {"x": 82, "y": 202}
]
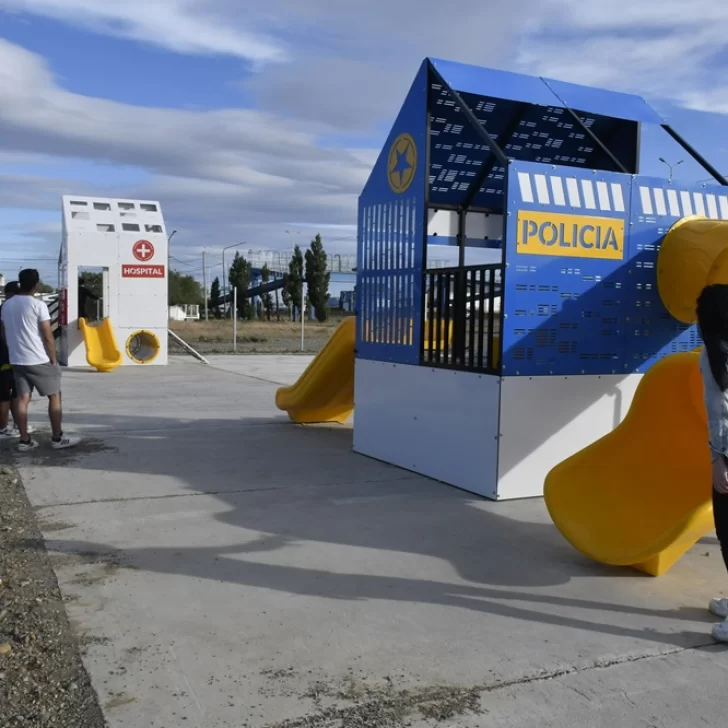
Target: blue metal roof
[{"x": 545, "y": 92}]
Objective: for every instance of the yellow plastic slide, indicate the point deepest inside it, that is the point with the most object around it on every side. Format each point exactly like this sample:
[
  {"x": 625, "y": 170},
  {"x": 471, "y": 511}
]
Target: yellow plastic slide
[
  {"x": 641, "y": 496},
  {"x": 102, "y": 353},
  {"x": 325, "y": 391}
]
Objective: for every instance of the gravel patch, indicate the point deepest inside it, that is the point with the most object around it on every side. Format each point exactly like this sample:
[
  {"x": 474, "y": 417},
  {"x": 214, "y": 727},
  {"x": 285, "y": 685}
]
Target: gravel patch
[{"x": 43, "y": 682}]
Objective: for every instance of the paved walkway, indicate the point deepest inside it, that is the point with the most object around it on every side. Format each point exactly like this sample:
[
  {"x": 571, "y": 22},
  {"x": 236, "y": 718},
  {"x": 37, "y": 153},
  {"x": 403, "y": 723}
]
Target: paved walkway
[{"x": 229, "y": 569}]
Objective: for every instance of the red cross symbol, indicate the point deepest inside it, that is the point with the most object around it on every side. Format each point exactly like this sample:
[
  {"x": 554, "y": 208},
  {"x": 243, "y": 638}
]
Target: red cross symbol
[{"x": 143, "y": 250}]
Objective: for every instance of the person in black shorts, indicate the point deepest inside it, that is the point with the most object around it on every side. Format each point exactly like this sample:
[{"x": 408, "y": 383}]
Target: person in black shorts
[{"x": 8, "y": 393}]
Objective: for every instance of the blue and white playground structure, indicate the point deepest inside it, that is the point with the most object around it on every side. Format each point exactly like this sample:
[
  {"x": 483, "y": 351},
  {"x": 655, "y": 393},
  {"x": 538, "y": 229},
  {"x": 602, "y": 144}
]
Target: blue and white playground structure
[{"x": 487, "y": 376}]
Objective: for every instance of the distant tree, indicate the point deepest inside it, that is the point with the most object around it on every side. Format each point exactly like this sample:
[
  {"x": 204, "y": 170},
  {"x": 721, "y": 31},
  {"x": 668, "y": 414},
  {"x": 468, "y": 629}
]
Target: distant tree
[
  {"x": 239, "y": 277},
  {"x": 215, "y": 297},
  {"x": 45, "y": 288},
  {"x": 317, "y": 278},
  {"x": 294, "y": 285},
  {"x": 267, "y": 298},
  {"x": 184, "y": 290}
]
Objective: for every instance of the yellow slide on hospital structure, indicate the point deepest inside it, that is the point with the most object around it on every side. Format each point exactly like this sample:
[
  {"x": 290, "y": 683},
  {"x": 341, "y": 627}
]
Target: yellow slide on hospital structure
[
  {"x": 325, "y": 390},
  {"x": 641, "y": 495},
  {"x": 102, "y": 353}
]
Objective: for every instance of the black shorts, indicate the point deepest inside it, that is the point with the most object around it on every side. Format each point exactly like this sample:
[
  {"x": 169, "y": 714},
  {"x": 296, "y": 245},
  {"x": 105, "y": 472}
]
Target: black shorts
[{"x": 7, "y": 385}]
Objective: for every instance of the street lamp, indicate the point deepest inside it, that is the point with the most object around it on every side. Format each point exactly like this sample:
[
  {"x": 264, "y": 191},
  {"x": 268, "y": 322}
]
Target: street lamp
[
  {"x": 224, "y": 269},
  {"x": 670, "y": 166}
]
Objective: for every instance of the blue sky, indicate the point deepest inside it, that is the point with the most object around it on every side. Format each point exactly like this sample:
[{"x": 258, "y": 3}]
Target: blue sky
[{"x": 246, "y": 123}]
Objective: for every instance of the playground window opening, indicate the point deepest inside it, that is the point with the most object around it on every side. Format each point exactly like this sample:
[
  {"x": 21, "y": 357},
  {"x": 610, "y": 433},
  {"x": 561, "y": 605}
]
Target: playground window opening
[
  {"x": 125, "y": 205},
  {"x": 103, "y": 206},
  {"x": 79, "y": 215},
  {"x": 148, "y": 208},
  {"x": 153, "y": 228},
  {"x": 130, "y": 227},
  {"x": 79, "y": 203},
  {"x": 462, "y": 318},
  {"x": 105, "y": 228}
]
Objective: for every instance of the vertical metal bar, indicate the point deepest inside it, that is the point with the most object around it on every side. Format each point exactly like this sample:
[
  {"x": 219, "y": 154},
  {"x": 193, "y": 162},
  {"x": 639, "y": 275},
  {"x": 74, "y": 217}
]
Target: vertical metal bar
[
  {"x": 470, "y": 320},
  {"x": 417, "y": 279},
  {"x": 448, "y": 354},
  {"x": 436, "y": 331},
  {"x": 235, "y": 319},
  {"x": 428, "y": 325},
  {"x": 481, "y": 317},
  {"x": 459, "y": 296},
  {"x": 491, "y": 317}
]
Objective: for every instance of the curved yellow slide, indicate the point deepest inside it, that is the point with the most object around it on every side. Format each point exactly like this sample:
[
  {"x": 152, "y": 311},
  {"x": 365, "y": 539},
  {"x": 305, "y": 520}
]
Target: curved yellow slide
[
  {"x": 325, "y": 391},
  {"x": 102, "y": 353},
  {"x": 641, "y": 495}
]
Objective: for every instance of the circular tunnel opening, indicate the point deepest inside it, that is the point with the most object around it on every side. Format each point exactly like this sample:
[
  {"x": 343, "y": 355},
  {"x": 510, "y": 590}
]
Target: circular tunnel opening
[{"x": 142, "y": 347}]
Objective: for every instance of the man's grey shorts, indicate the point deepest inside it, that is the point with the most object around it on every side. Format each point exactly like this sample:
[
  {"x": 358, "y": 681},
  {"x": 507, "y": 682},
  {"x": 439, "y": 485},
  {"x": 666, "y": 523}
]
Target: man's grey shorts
[{"x": 45, "y": 378}]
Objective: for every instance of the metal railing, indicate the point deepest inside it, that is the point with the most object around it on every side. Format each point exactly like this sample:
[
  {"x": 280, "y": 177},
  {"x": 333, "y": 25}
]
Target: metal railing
[{"x": 462, "y": 318}]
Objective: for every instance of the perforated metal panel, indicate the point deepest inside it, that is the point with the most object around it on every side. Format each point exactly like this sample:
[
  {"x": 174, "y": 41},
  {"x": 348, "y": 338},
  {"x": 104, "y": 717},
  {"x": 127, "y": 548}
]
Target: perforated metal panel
[
  {"x": 392, "y": 240},
  {"x": 652, "y": 333},
  {"x": 574, "y": 315},
  {"x": 564, "y": 315},
  {"x": 523, "y": 130}
]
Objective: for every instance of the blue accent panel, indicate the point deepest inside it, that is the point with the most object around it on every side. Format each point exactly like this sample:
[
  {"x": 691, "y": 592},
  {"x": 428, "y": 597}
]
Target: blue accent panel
[
  {"x": 545, "y": 92},
  {"x": 604, "y": 103},
  {"x": 499, "y": 84},
  {"x": 651, "y": 332},
  {"x": 564, "y": 315},
  {"x": 391, "y": 244}
]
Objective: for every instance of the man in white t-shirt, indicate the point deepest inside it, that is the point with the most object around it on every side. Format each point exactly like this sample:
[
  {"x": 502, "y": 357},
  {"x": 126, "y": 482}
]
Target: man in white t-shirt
[{"x": 26, "y": 329}]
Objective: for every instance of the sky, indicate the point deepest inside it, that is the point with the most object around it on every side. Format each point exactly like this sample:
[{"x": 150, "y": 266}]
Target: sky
[{"x": 261, "y": 124}]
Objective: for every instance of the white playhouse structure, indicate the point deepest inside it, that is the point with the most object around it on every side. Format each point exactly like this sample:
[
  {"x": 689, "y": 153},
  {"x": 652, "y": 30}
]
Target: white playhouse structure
[{"x": 127, "y": 241}]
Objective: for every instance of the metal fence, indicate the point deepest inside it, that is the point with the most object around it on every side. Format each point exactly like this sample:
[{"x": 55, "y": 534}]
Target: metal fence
[{"x": 462, "y": 318}]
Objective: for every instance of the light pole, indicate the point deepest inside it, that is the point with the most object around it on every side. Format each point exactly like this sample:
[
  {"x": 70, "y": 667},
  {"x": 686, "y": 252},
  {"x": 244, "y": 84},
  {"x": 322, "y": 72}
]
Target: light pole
[
  {"x": 169, "y": 240},
  {"x": 670, "y": 166},
  {"x": 224, "y": 270}
]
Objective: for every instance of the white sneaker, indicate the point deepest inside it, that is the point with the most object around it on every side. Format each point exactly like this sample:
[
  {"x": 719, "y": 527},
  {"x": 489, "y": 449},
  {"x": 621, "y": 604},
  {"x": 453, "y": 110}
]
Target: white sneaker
[
  {"x": 65, "y": 442},
  {"x": 720, "y": 632},
  {"x": 10, "y": 433},
  {"x": 15, "y": 432},
  {"x": 719, "y": 607},
  {"x": 26, "y": 446}
]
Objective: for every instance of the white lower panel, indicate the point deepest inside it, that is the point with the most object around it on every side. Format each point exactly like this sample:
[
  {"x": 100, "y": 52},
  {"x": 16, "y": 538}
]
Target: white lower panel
[
  {"x": 435, "y": 422},
  {"x": 545, "y": 420}
]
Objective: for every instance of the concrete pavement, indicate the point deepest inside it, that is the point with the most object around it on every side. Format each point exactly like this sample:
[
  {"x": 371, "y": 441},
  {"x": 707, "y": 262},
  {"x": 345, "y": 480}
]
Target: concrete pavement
[{"x": 230, "y": 569}]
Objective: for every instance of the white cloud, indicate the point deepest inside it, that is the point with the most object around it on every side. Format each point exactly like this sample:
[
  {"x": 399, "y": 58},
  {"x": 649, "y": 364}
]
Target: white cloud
[
  {"x": 340, "y": 74},
  {"x": 665, "y": 48},
  {"x": 178, "y": 25},
  {"x": 252, "y": 160}
]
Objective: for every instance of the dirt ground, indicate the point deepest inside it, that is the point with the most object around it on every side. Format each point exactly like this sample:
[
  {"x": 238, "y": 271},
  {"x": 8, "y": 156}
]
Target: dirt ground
[
  {"x": 255, "y": 337},
  {"x": 43, "y": 683}
]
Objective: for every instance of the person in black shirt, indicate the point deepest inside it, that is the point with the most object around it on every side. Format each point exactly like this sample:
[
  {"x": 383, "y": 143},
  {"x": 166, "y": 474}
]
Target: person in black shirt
[
  {"x": 84, "y": 294},
  {"x": 8, "y": 395}
]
